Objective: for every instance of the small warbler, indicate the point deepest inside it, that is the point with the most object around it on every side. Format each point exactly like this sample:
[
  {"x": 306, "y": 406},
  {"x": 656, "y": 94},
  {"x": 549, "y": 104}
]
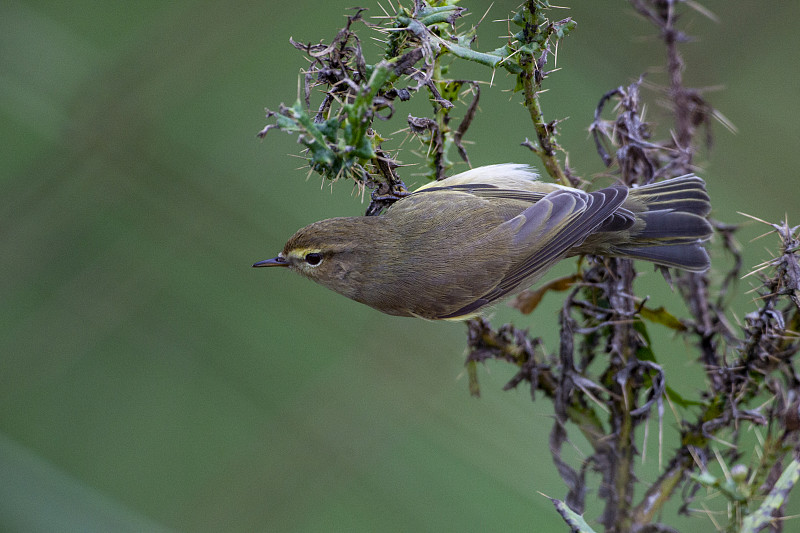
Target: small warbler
[{"x": 454, "y": 247}]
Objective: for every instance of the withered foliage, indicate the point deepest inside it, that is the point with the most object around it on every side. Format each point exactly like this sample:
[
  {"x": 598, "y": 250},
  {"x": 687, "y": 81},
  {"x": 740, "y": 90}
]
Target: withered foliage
[{"x": 750, "y": 369}]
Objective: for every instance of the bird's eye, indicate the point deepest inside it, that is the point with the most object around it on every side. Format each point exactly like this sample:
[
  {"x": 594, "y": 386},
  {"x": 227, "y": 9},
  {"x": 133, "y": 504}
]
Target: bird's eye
[{"x": 313, "y": 258}]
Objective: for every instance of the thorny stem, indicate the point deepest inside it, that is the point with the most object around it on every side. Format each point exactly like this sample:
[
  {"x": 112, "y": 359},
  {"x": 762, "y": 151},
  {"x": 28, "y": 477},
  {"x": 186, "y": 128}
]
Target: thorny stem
[
  {"x": 694, "y": 287},
  {"x": 689, "y": 108},
  {"x": 675, "y": 65},
  {"x": 660, "y": 492},
  {"x": 545, "y": 133},
  {"x": 624, "y": 343}
]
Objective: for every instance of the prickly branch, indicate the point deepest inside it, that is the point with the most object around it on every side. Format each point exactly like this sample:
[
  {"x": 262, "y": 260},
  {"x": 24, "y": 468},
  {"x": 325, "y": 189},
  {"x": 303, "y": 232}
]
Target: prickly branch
[
  {"x": 601, "y": 317},
  {"x": 340, "y": 134}
]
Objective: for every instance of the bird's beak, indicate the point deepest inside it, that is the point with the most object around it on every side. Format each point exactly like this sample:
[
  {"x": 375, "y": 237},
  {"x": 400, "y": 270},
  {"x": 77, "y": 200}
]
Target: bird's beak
[{"x": 279, "y": 261}]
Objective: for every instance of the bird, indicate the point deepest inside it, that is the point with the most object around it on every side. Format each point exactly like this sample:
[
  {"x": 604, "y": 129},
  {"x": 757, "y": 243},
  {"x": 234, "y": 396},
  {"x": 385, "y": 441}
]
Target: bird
[{"x": 454, "y": 248}]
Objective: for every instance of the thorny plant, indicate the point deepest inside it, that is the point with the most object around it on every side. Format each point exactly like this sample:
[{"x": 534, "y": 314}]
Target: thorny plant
[{"x": 749, "y": 369}]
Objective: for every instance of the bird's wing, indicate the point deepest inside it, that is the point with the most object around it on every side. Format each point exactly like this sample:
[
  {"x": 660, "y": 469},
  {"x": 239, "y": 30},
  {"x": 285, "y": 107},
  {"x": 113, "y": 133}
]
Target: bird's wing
[{"x": 544, "y": 233}]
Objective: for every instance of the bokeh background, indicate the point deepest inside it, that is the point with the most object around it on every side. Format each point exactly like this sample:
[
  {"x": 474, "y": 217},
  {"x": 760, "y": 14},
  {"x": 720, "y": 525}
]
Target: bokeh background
[{"x": 150, "y": 380}]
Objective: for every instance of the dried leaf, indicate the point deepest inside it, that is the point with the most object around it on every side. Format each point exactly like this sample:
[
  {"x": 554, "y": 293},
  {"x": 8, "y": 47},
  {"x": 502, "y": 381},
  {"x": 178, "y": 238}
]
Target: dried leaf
[
  {"x": 644, "y": 352},
  {"x": 680, "y": 400},
  {"x": 663, "y": 317},
  {"x": 472, "y": 374},
  {"x": 527, "y": 301}
]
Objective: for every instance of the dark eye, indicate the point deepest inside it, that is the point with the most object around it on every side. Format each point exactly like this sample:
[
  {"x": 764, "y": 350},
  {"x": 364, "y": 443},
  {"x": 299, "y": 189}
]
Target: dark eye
[{"x": 313, "y": 258}]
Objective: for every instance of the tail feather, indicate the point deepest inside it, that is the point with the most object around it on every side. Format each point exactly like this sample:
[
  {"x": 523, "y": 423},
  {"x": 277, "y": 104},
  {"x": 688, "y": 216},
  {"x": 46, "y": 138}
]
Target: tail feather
[
  {"x": 671, "y": 224},
  {"x": 673, "y": 227},
  {"x": 685, "y": 194},
  {"x": 692, "y": 257}
]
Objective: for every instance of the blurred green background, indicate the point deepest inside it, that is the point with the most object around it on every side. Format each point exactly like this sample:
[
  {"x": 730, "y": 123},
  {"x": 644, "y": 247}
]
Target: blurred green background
[{"x": 151, "y": 380}]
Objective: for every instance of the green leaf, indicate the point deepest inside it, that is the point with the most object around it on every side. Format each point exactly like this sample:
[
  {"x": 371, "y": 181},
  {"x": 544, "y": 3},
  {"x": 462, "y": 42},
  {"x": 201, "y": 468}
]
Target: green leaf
[
  {"x": 728, "y": 488},
  {"x": 329, "y": 128},
  {"x": 563, "y": 27},
  {"x": 436, "y": 15},
  {"x": 573, "y": 519},
  {"x": 364, "y": 149}
]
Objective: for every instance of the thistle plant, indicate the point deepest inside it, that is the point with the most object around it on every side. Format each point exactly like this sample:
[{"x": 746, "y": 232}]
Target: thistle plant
[{"x": 604, "y": 379}]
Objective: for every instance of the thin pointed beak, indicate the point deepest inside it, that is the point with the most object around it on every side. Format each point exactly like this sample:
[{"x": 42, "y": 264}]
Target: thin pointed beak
[{"x": 279, "y": 261}]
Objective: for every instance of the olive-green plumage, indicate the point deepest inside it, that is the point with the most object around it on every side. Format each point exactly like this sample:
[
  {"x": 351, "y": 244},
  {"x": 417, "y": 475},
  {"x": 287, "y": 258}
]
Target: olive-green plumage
[{"x": 456, "y": 246}]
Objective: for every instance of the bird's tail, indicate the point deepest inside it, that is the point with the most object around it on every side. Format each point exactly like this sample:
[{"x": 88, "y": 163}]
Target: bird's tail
[{"x": 670, "y": 224}]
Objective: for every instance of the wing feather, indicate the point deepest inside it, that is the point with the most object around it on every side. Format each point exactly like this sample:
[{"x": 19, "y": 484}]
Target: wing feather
[
  {"x": 545, "y": 232},
  {"x": 484, "y": 190},
  {"x": 506, "y": 176}
]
